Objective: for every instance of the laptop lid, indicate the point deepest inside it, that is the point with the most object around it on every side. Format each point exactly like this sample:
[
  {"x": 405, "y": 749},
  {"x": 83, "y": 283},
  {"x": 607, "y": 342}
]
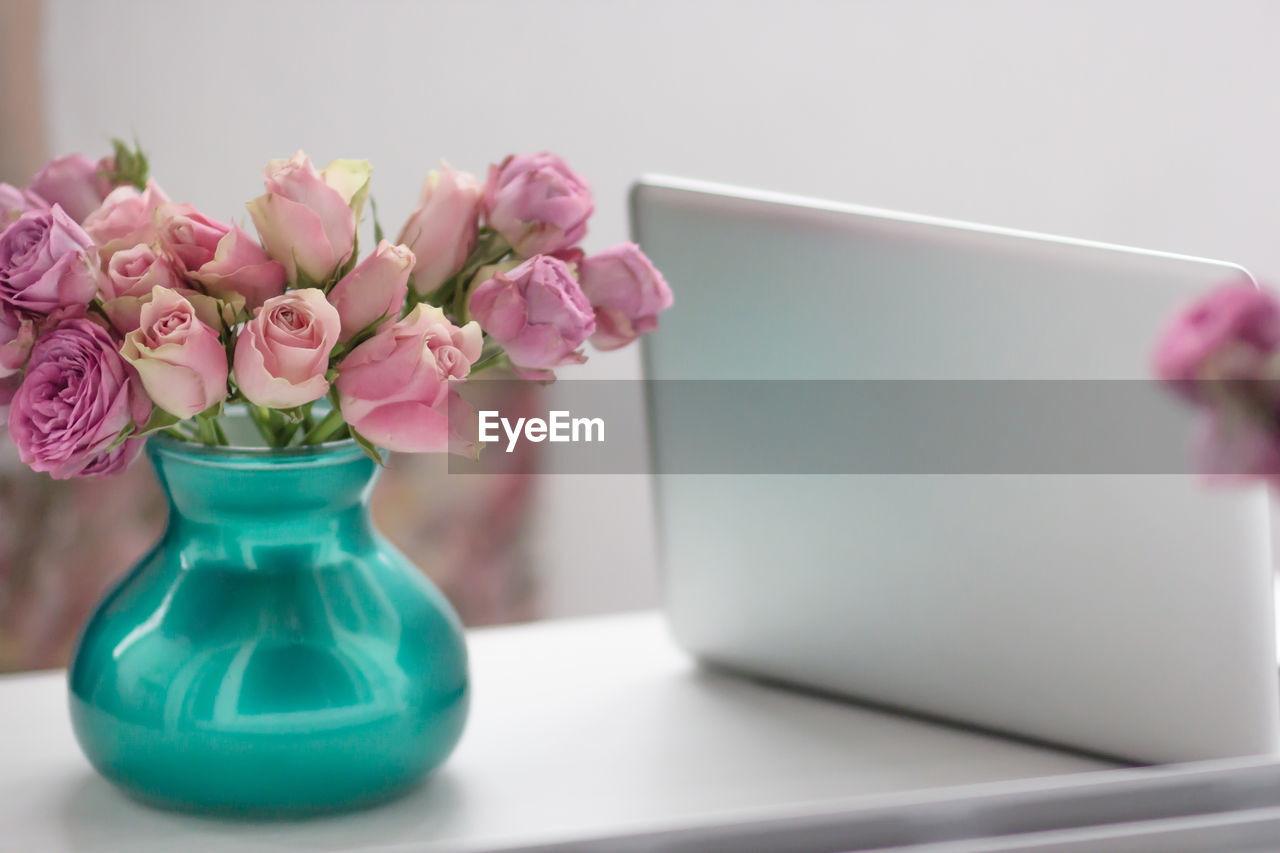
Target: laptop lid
[{"x": 1125, "y": 614}]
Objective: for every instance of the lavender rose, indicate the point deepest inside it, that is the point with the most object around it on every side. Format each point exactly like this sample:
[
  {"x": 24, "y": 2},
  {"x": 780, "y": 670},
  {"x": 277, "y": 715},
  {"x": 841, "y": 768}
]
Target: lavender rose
[
  {"x": 76, "y": 397},
  {"x": 17, "y": 334},
  {"x": 537, "y": 203},
  {"x": 626, "y": 291},
  {"x": 47, "y": 262},
  {"x": 75, "y": 182},
  {"x": 15, "y": 202},
  {"x": 538, "y": 313}
]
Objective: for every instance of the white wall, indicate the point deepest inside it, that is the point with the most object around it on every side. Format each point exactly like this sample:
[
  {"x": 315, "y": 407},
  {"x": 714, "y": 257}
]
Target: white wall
[{"x": 1150, "y": 123}]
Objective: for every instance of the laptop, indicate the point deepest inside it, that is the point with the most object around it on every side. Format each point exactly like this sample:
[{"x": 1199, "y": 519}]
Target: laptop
[{"x": 1129, "y": 615}]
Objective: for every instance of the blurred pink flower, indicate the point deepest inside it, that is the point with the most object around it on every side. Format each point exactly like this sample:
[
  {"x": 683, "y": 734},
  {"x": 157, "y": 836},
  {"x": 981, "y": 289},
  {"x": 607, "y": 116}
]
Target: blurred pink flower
[
  {"x": 1227, "y": 334},
  {"x": 15, "y": 202},
  {"x": 75, "y": 182}
]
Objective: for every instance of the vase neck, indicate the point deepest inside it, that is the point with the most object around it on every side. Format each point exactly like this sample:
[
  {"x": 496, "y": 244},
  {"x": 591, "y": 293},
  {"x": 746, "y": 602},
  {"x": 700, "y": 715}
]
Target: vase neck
[{"x": 253, "y": 507}]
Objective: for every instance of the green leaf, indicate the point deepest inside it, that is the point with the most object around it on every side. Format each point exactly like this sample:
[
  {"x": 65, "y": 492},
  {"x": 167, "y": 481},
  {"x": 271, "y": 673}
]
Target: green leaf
[
  {"x": 160, "y": 419},
  {"x": 131, "y": 165},
  {"x": 377, "y": 226},
  {"x": 367, "y": 446},
  {"x": 304, "y": 279},
  {"x": 121, "y": 438},
  {"x": 350, "y": 263}
]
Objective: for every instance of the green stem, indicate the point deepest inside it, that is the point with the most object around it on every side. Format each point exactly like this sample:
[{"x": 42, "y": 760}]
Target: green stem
[
  {"x": 204, "y": 427},
  {"x": 262, "y": 419},
  {"x": 497, "y": 359},
  {"x": 219, "y": 434},
  {"x": 332, "y": 423}
]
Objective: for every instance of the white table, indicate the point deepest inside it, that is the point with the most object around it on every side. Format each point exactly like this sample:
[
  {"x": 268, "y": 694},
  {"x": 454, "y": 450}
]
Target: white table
[{"x": 578, "y": 728}]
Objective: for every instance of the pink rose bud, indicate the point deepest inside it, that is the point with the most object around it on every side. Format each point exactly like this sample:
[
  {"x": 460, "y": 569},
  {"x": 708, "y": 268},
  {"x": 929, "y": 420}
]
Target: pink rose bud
[
  {"x": 537, "y": 313},
  {"x": 627, "y": 293},
  {"x": 47, "y": 262},
  {"x": 537, "y": 203},
  {"x": 17, "y": 334},
  {"x": 240, "y": 266},
  {"x": 136, "y": 271},
  {"x": 125, "y": 219},
  {"x": 395, "y": 388},
  {"x": 1229, "y": 334},
  {"x": 180, "y": 360},
  {"x": 306, "y": 218},
  {"x": 282, "y": 354},
  {"x": 78, "y": 393},
  {"x": 74, "y": 182},
  {"x": 375, "y": 290},
  {"x": 15, "y": 202},
  {"x": 442, "y": 231},
  {"x": 223, "y": 258}
]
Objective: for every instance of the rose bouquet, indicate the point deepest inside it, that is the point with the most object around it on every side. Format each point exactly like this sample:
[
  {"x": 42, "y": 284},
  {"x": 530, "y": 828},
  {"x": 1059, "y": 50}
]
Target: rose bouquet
[
  {"x": 1222, "y": 355},
  {"x": 123, "y": 313}
]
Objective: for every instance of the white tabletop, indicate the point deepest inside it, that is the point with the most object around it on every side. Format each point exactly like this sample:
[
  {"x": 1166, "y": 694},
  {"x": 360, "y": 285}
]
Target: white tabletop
[{"x": 578, "y": 728}]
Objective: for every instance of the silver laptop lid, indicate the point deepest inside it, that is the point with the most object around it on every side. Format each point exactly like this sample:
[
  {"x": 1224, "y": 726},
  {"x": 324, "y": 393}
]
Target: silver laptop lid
[{"x": 1127, "y": 615}]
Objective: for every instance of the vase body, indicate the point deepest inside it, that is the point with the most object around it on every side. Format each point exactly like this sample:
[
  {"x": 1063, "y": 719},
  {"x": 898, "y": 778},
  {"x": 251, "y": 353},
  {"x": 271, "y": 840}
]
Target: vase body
[{"x": 273, "y": 653}]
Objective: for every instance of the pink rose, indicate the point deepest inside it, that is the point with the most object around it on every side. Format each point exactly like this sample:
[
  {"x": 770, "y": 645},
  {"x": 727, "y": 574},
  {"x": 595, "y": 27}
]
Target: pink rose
[
  {"x": 240, "y": 266},
  {"x": 130, "y": 277},
  {"x": 627, "y": 293},
  {"x": 374, "y": 290},
  {"x": 180, "y": 360},
  {"x": 15, "y": 202},
  {"x": 125, "y": 219},
  {"x": 47, "y": 262},
  {"x": 1228, "y": 334},
  {"x": 17, "y": 334},
  {"x": 442, "y": 231},
  {"x": 307, "y": 222},
  {"x": 282, "y": 354},
  {"x": 223, "y": 258},
  {"x": 76, "y": 397},
  {"x": 395, "y": 388},
  {"x": 75, "y": 182},
  {"x": 537, "y": 203},
  {"x": 538, "y": 313},
  {"x": 136, "y": 271}
]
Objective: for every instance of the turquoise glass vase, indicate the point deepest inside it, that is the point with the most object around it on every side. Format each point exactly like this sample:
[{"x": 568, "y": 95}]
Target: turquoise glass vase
[{"x": 272, "y": 653}]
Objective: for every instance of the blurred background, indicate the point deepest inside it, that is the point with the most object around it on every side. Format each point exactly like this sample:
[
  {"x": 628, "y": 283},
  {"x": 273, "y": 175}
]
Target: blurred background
[{"x": 1147, "y": 123}]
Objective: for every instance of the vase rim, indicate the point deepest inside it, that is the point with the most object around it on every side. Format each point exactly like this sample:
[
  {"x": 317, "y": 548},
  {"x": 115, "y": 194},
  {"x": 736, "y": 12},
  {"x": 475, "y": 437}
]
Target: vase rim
[{"x": 223, "y": 454}]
